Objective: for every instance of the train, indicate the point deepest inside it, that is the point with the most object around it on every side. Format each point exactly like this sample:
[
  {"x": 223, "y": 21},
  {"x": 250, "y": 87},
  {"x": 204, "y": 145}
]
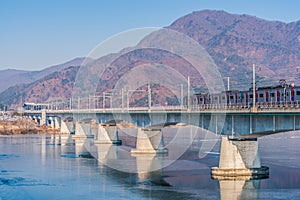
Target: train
[
  {"x": 269, "y": 94},
  {"x": 264, "y": 96},
  {"x": 35, "y": 106}
]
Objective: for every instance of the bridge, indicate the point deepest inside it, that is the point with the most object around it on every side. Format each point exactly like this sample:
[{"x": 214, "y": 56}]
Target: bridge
[{"x": 238, "y": 126}]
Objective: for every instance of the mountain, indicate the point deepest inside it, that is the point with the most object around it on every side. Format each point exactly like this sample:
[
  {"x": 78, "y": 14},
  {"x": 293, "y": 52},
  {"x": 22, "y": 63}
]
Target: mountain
[
  {"x": 234, "y": 42},
  {"x": 11, "y": 77},
  {"x": 55, "y": 86}
]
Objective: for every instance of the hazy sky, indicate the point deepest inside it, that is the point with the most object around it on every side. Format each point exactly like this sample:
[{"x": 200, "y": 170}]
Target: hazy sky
[{"x": 35, "y": 34}]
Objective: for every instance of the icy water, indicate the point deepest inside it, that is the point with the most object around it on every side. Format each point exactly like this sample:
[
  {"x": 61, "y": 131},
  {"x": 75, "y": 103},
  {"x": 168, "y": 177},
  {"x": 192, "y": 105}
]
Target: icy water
[{"x": 57, "y": 167}]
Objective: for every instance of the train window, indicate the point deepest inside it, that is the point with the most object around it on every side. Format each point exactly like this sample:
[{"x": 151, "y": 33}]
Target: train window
[
  {"x": 287, "y": 94},
  {"x": 261, "y": 95},
  {"x": 216, "y": 98},
  {"x": 231, "y": 97},
  {"x": 223, "y": 97},
  {"x": 272, "y": 94},
  {"x": 298, "y": 93},
  {"x": 201, "y": 99},
  {"x": 251, "y": 95}
]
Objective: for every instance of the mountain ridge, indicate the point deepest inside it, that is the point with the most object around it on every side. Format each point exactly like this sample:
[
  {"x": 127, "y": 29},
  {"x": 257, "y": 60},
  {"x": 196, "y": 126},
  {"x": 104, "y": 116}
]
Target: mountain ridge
[{"x": 11, "y": 77}]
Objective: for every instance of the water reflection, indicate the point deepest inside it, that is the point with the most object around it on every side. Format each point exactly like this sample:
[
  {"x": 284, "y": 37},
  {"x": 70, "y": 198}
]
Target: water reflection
[
  {"x": 242, "y": 188},
  {"x": 76, "y": 147},
  {"x": 145, "y": 165},
  {"x": 39, "y": 166}
]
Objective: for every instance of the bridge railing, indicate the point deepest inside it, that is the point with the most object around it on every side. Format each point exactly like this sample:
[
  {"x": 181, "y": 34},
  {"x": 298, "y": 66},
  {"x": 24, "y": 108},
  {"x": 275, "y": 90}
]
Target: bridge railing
[{"x": 199, "y": 107}]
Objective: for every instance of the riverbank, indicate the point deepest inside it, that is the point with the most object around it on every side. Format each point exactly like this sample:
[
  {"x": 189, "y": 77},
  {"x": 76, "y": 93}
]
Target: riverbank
[{"x": 20, "y": 125}]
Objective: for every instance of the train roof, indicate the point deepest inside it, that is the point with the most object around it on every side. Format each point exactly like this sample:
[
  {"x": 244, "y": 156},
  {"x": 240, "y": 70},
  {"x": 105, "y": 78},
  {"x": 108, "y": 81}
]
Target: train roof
[
  {"x": 35, "y": 104},
  {"x": 276, "y": 87}
]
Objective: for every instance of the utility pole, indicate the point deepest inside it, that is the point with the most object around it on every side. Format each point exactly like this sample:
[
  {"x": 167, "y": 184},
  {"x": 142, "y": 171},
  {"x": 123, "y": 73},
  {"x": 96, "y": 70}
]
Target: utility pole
[
  {"x": 228, "y": 82},
  {"x": 253, "y": 89},
  {"x": 111, "y": 100},
  {"x": 71, "y": 103},
  {"x": 96, "y": 101},
  {"x": 127, "y": 99},
  {"x": 122, "y": 93},
  {"x": 181, "y": 95},
  {"x": 149, "y": 96},
  {"x": 78, "y": 103},
  {"x": 103, "y": 100},
  {"x": 188, "y": 93}
]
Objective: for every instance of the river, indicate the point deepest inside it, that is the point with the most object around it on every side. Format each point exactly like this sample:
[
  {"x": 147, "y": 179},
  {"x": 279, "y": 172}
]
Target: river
[{"x": 50, "y": 167}]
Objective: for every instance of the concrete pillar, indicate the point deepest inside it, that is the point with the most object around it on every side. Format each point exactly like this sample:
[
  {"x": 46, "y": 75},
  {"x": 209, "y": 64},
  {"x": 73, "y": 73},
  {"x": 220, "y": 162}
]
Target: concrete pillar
[
  {"x": 35, "y": 118},
  {"x": 239, "y": 157},
  {"x": 52, "y": 122},
  {"x": 149, "y": 141},
  {"x": 107, "y": 135},
  {"x": 56, "y": 123},
  {"x": 39, "y": 120},
  {"x": 67, "y": 126},
  {"x": 44, "y": 118},
  {"x": 83, "y": 130}
]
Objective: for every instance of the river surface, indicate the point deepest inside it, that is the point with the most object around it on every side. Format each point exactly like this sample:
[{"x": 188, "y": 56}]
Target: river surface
[{"x": 57, "y": 167}]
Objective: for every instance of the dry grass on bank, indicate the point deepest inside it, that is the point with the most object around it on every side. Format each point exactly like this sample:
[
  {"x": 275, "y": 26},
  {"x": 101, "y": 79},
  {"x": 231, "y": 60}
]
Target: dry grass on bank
[{"x": 24, "y": 126}]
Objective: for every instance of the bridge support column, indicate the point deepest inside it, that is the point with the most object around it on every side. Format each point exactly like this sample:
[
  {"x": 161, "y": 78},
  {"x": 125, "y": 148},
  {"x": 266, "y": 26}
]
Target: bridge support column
[
  {"x": 239, "y": 157},
  {"x": 52, "y": 123},
  {"x": 149, "y": 141},
  {"x": 44, "y": 118},
  {"x": 67, "y": 126},
  {"x": 35, "y": 118},
  {"x": 39, "y": 120},
  {"x": 83, "y": 130},
  {"x": 107, "y": 135},
  {"x": 56, "y": 123}
]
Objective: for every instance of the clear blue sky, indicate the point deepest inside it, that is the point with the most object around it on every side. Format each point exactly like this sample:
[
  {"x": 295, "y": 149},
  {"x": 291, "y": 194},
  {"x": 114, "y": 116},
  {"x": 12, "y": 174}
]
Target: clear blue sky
[{"x": 35, "y": 34}]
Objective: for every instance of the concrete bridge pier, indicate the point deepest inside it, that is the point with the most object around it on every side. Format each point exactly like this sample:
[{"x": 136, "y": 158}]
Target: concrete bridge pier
[
  {"x": 67, "y": 126},
  {"x": 43, "y": 119},
  {"x": 52, "y": 122},
  {"x": 83, "y": 129},
  {"x": 107, "y": 134},
  {"x": 239, "y": 157},
  {"x": 36, "y": 119},
  {"x": 149, "y": 141},
  {"x": 56, "y": 123}
]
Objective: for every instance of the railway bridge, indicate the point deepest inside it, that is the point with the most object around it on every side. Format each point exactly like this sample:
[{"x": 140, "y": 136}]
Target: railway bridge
[{"x": 238, "y": 128}]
